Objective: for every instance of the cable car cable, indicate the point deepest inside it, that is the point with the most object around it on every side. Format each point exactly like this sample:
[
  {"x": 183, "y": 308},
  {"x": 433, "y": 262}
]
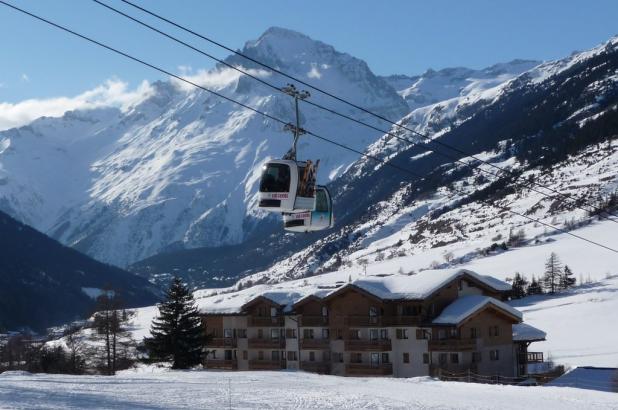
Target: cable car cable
[
  {"x": 266, "y": 115},
  {"x": 340, "y": 99},
  {"x": 525, "y": 184}
]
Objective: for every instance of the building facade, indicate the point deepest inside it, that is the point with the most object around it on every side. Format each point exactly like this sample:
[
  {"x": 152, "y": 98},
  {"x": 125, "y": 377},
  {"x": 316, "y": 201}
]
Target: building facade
[{"x": 402, "y": 326}]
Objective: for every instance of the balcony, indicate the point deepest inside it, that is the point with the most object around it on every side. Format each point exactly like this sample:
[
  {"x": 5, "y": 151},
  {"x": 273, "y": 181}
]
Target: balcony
[
  {"x": 266, "y": 321},
  {"x": 222, "y": 342},
  {"x": 222, "y": 364},
  {"x": 452, "y": 345},
  {"x": 267, "y": 364},
  {"x": 531, "y": 357},
  {"x": 313, "y": 321},
  {"x": 401, "y": 320},
  {"x": 314, "y": 344},
  {"x": 365, "y": 369},
  {"x": 257, "y": 343},
  {"x": 316, "y": 367},
  {"x": 365, "y": 345}
]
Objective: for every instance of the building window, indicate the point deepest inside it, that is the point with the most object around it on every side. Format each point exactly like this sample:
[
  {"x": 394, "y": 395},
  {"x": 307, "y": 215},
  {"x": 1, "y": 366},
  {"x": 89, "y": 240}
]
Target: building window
[
  {"x": 214, "y": 354},
  {"x": 453, "y": 333},
  {"x": 494, "y": 355},
  {"x": 337, "y": 357},
  {"x": 227, "y": 354},
  {"x": 454, "y": 358},
  {"x": 274, "y": 334},
  {"x": 308, "y": 333},
  {"x": 290, "y": 333},
  {"x": 425, "y": 358},
  {"x": 356, "y": 358},
  {"x": 338, "y": 334},
  {"x": 420, "y": 334},
  {"x": 401, "y": 333},
  {"x": 373, "y": 334},
  {"x": 260, "y": 334},
  {"x": 324, "y": 311},
  {"x": 241, "y": 333},
  {"x": 245, "y": 355},
  {"x": 292, "y": 356},
  {"x": 375, "y": 359},
  {"x": 476, "y": 357},
  {"x": 227, "y": 333},
  {"x": 312, "y": 356},
  {"x": 384, "y": 334},
  {"x": 493, "y": 331},
  {"x": 325, "y": 334},
  {"x": 326, "y": 355},
  {"x": 441, "y": 334},
  {"x": 260, "y": 355},
  {"x": 373, "y": 315},
  {"x": 273, "y": 311},
  {"x": 406, "y": 357},
  {"x": 442, "y": 358},
  {"x": 386, "y": 358},
  {"x": 274, "y": 355},
  {"x": 473, "y": 333},
  {"x": 355, "y": 334}
]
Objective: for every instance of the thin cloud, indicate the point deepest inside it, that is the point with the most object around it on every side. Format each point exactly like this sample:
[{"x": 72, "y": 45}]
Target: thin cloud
[
  {"x": 213, "y": 79},
  {"x": 25, "y": 78},
  {"x": 113, "y": 93}
]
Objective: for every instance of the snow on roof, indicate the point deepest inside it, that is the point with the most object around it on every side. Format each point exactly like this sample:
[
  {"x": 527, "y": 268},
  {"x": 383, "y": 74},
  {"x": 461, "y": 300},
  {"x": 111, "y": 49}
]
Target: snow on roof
[
  {"x": 465, "y": 306},
  {"x": 392, "y": 287},
  {"x": 524, "y": 332},
  {"x": 232, "y": 303},
  {"x": 421, "y": 285}
]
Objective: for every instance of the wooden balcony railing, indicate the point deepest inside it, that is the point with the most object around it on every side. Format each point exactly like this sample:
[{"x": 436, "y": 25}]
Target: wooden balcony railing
[
  {"x": 313, "y": 321},
  {"x": 267, "y": 364},
  {"x": 221, "y": 364},
  {"x": 402, "y": 320},
  {"x": 366, "y": 369},
  {"x": 531, "y": 357},
  {"x": 316, "y": 367},
  {"x": 375, "y": 321},
  {"x": 222, "y": 342},
  {"x": 266, "y": 321},
  {"x": 315, "y": 344},
  {"x": 452, "y": 345},
  {"x": 366, "y": 345},
  {"x": 256, "y": 343}
]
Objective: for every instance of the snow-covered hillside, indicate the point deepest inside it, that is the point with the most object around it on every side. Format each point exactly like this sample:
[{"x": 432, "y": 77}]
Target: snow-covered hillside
[
  {"x": 259, "y": 390},
  {"x": 180, "y": 166}
]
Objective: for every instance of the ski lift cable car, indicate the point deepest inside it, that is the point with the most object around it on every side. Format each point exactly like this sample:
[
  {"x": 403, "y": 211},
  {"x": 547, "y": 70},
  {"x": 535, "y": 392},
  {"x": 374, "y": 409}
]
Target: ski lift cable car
[
  {"x": 318, "y": 219},
  {"x": 288, "y": 185}
]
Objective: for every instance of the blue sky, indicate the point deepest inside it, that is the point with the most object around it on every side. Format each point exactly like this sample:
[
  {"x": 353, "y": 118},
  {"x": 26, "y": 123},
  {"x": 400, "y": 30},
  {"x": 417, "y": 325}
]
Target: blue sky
[{"x": 394, "y": 36}]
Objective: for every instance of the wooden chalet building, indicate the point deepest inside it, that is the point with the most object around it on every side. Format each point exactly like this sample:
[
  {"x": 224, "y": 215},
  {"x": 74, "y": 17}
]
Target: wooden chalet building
[{"x": 435, "y": 321}]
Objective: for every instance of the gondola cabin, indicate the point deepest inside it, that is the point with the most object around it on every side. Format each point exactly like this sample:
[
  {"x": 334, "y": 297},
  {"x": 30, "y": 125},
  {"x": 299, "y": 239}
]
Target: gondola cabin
[
  {"x": 316, "y": 220},
  {"x": 288, "y": 186}
]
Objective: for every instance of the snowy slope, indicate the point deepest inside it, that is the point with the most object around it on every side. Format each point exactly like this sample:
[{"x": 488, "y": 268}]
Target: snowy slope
[
  {"x": 260, "y": 390},
  {"x": 179, "y": 167}
]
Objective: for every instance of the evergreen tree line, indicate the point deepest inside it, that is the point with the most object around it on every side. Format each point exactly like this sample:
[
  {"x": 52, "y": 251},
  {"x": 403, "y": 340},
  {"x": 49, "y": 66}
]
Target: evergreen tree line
[
  {"x": 556, "y": 278},
  {"x": 104, "y": 345}
]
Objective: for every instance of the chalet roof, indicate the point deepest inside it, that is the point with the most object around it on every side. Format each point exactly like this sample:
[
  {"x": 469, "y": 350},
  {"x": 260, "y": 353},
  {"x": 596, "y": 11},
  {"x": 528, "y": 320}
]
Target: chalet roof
[
  {"x": 423, "y": 284},
  {"x": 523, "y": 332},
  {"x": 466, "y": 306},
  {"x": 394, "y": 287}
]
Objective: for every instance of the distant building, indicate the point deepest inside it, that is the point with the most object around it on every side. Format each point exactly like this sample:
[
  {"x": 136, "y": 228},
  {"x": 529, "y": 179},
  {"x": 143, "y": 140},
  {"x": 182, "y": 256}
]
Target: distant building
[{"x": 434, "y": 322}]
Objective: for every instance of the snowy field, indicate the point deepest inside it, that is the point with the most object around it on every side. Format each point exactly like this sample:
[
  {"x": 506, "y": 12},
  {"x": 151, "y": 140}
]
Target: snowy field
[{"x": 278, "y": 390}]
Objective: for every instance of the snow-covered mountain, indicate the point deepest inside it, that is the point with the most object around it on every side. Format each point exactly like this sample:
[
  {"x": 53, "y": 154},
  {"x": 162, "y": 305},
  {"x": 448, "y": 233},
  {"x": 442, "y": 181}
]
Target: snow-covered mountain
[
  {"x": 179, "y": 168},
  {"x": 554, "y": 125}
]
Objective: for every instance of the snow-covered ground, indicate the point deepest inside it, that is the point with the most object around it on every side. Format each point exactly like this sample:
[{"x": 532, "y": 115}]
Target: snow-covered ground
[{"x": 278, "y": 390}]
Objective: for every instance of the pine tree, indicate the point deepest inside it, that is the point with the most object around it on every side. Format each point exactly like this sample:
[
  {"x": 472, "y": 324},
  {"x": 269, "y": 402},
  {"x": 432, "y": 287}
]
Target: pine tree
[
  {"x": 520, "y": 283},
  {"x": 535, "y": 287},
  {"x": 553, "y": 270},
  {"x": 567, "y": 278},
  {"x": 177, "y": 334}
]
